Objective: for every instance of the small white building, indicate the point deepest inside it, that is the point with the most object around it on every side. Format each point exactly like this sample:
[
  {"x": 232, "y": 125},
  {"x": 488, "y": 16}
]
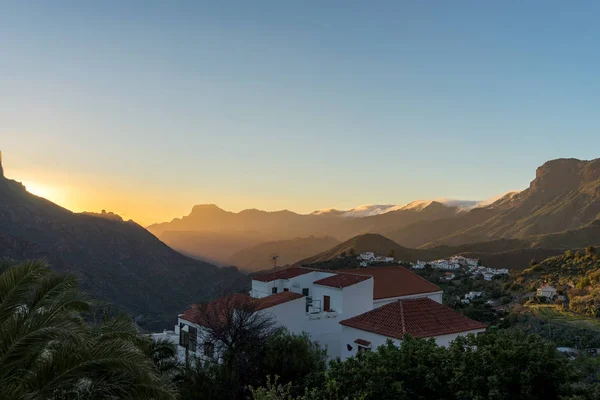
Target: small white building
[
  {"x": 473, "y": 295},
  {"x": 488, "y": 276},
  {"x": 449, "y": 276},
  {"x": 367, "y": 256},
  {"x": 547, "y": 291}
]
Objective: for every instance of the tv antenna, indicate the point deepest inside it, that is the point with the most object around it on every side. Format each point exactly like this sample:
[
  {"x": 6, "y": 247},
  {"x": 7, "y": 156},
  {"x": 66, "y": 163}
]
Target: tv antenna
[{"x": 275, "y": 261}]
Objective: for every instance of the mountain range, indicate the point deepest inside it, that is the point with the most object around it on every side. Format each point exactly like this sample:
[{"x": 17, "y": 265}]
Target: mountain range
[
  {"x": 156, "y": 272},
  {"x": 560, "y": 209},
  {"x": 116, "y": 261}
]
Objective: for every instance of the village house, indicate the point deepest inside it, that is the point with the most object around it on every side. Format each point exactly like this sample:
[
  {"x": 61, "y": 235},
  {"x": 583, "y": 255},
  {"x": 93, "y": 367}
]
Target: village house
[
  {"x": 449, "y": 276},
  {"x": 345, "y": 311},
  {"x": 547, "y": 291}
]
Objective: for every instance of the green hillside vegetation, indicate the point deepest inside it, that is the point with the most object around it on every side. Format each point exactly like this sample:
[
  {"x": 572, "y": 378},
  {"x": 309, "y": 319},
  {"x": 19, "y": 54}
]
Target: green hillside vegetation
[{"x": 574, "y": 274}]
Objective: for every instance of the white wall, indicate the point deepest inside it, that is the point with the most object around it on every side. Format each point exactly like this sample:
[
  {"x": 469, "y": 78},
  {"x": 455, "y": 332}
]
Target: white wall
[
  {"x": 336, "y": 302},
  {"x": 435, "y": 296},
  {"x": 349, "y": 335},
  {"x": 357, "y": 299},
  {"x": 291, "y": 314}
]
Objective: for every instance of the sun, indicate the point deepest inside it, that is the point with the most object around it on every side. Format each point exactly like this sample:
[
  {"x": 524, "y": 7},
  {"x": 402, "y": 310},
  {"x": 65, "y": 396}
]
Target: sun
[{"x": 41, "y": 190}]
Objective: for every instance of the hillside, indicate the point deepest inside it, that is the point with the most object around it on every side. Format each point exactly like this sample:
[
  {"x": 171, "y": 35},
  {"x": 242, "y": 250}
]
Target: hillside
[
  {"x": 587, "y": 235},
  {"x": 502, "y": 253},
  {"x": 574, "y": 274},
  {"x": 213, "y": 247},
  {"x": 116, "y": 261},
  {"x": 259, "y": 257}
]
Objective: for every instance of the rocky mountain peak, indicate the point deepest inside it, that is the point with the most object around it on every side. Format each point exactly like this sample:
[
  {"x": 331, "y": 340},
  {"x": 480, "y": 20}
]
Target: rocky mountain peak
[{"x": 562, "y": 175}]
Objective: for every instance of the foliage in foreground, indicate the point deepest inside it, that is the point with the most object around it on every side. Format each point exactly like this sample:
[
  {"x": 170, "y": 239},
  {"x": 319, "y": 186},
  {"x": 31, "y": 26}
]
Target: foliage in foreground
[
  {"x": 49, "y": 351},
  {"x": 502, "y": 365}
]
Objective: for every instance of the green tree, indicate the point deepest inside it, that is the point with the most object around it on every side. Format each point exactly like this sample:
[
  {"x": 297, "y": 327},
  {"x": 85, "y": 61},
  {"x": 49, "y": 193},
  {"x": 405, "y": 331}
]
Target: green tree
[
  {"x": 296, "y": 359},
  {"x": 569, "y": 254},
  {"x": 352, "y": 252},
  {"x": 590, "y": 251},
  {"x": 391, "y": 253},
  {"x": 48, "y": 351}
]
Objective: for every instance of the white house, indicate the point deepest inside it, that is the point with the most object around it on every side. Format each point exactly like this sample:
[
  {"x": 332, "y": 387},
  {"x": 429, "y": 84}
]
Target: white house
[
  {"x": 320, "y": 302},
  {"x": 367, "y": 256},
  {"x": 421, "y": 317},
  {"x": 449, "y": 276},
  {"x": 547, "y": 291},
  {"x": 473, "y": 295}
]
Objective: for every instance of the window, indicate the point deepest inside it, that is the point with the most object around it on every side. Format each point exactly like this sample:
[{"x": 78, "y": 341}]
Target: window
[
  {"x": 192, "y": 339},
  {"x": 187, "y": 336},
  {"x": 305, "y": 292},
  {"x": 209, "y": 350},
  {"x": 274, "y": 290},
  {"x": 183, "y": 335},
  {"x": 286, "y": 290},
  {"x": 326, "y": 303},
  {"x": 362, "y": 349}
]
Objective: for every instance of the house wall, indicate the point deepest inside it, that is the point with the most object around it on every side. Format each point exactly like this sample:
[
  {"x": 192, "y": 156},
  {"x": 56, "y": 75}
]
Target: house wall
[
  {"x": 435, "y": 296},
  {"x": 335, "y": 296},
  {"x": 357, "y": 299},
  {"x": 349, "y": 335},
  {"x": 291, "y": 314}
]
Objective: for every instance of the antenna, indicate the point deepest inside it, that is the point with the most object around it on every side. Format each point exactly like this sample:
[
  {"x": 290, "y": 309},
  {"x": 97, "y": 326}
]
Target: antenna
[{"x": 275, "y": 261}]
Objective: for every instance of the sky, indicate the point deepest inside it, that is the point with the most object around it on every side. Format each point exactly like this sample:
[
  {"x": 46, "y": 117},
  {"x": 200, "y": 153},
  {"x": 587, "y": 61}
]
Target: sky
[{"x": 146, "y": 108}]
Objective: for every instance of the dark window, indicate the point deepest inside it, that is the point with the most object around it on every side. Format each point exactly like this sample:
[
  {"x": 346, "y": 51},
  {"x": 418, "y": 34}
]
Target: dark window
[
  {"x": 183, "y": 336},
  {"x": 326, "y": 303},
  {"x": 363, "y": 349},
  {"x": 274, "y": 290},
  {"x": 209, "y": 350},
  {"x": 286, "y": 290},
  {"x": 187, "y": 339},
  {"x": 192, "y": 339},
  {"x": 305, "y": 292}
]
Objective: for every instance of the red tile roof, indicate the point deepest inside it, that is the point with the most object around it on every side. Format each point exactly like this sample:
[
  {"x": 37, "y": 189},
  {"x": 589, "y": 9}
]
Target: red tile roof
[
  {"x": 362, "y": 342},
  {"x": 276, "y": 299},
  {"x": 286, "y": 273},
  {"x": 341, "y": 280},
  {"x": 217, "y": 307},
  {"x": 416, "y": 317},
  {"x": 395, "y": 282}
]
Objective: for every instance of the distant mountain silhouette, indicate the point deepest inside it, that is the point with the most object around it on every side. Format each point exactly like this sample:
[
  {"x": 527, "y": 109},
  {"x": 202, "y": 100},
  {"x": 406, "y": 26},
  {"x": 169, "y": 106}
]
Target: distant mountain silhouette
[
  {"x": 116, "y": 261},
  {"x": 192, "y": 234},
  {"x": 260, "y": 256}
]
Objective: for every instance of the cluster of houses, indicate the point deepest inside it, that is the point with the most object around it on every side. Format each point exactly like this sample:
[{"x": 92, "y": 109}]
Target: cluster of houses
[
  {"x": 346, "y": 311},
  {"x": 469, "y": 266},
  {"x": 367, "y": 258}
]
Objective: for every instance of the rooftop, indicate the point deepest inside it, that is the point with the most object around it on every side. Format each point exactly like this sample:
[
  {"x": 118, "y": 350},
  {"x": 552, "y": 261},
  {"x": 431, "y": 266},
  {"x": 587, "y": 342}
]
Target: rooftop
[
  {"x": 197, "y": 312},
  {"x": 342, "y": 280},
  {"x": 394, "y": 281},
  {"x": 421, "y": 317}
]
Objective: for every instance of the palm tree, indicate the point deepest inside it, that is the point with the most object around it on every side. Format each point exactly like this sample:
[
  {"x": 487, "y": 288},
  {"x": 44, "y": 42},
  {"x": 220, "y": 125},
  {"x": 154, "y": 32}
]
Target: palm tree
[{"x": 48, "y": 351}]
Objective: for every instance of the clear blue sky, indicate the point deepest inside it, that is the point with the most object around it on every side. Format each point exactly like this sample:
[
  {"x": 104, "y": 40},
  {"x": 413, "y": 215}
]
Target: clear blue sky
[{"x": 146, "y": 108}]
